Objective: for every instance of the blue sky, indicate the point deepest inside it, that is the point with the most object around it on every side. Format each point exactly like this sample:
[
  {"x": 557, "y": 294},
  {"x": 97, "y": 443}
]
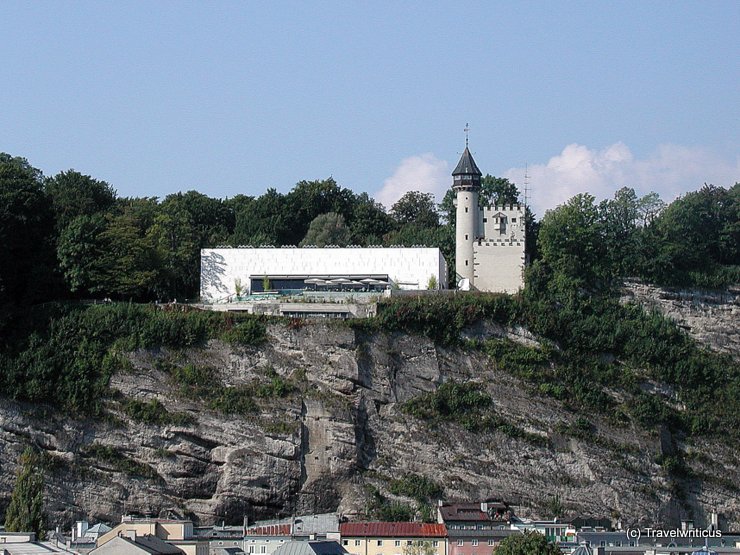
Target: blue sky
[{"x": 236, "y": 97}]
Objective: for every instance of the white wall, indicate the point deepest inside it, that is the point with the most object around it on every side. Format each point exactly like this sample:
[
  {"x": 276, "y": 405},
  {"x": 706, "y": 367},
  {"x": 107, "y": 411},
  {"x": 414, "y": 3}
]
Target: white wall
[
  {"x": 499, "y": 267},
  {"x": 408, "y": 267},
  {"x": 466, "y": 230}
]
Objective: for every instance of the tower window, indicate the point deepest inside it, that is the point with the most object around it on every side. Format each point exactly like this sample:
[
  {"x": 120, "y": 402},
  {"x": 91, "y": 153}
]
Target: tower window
[
  {"x": 466, "y": 209},
  {"x": 513, "y": 220},
  {"x": 466, "y": 237},
  {"x": 466, "y": 262}
]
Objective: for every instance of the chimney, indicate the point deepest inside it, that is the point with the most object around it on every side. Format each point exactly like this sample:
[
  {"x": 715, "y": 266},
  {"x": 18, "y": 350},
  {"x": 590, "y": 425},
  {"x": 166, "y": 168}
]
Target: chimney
[{"x": 80, "y": 530}]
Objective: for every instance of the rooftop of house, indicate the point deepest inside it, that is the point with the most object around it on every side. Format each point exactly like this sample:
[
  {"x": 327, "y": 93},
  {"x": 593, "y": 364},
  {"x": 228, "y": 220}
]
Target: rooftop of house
[
  {"x": 472, "y": 512},
  {"x": 392, "y": 530},
  {"x": 310, "y": 548},
  {"x": 148, "y": 543}
]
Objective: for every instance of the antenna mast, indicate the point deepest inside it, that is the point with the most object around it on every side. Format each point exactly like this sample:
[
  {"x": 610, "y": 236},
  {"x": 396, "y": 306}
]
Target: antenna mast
[
  {"x": 526, "y": 185},
  {"x": 467, "y": 132}
]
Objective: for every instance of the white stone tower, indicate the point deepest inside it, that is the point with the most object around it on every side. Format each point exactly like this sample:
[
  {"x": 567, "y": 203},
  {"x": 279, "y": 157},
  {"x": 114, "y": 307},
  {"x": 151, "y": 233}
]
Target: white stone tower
[{"x": 466, "y": 184}]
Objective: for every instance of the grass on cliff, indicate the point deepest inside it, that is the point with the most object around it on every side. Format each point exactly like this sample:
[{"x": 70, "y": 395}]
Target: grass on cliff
[
  {"x": 64, "y": 354},
  {"x": 116, "y": 459},
  {"x": 593, "y": 344},
  {"x": 468, "y": 405},
  {"x": 204, "y": 384}
]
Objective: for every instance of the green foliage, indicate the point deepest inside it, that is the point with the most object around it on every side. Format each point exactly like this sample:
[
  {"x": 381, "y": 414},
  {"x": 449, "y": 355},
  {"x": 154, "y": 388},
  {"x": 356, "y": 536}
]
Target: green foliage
[
  {"x": 416, "y": 207},
  {"x": 467, "y": 405},
  {"x": 276, "y": 387},
  {"x": 327, "y": 229},
  {"x": 381, "y": 509},
  {"x": 432, "y": 282},
  {"x": 65, "y": 354},
  {"x": 417, "y": 487},
  {"x": 120, "y": 462},
  {"x": 202, "y": 383},
  {"x": 419, "y": 547},
  {"x": 463, "y": 403},
  {"x": 25, "y": 513},
  {"x": 73, "y": 194},
  {"x": 248, "y": 332},
  {"x": 153, "y": 412},
  {"x": 441, "y": 318},
  {"x": 26, "y": 246},
  {"x": 528, "y": 543}
]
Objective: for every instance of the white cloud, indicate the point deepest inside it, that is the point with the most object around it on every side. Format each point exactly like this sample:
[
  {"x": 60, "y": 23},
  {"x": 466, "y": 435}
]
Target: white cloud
[
  {"x": 425, "y": 173},
  {"x": 670, "y": 171}
]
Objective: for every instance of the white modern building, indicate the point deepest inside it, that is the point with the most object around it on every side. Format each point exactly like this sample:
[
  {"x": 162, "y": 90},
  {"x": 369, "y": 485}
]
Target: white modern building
[
  {"x": 228, "y": 271},
  {"x": 489, "y": 241}
]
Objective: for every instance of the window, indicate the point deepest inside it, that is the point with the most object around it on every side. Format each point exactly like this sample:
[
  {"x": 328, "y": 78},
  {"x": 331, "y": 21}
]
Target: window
[
  {"x": 345, "y": 542},
  {"x": 380, "y": 542},
  {"x": 466, "y": 262},
  {"x": 460, "y": 542},
  {"x": 409, "y": 542},
  {"x": 251, "y": 549},
  {"x": 485, "y": 220},
  {"x": 263, "y": 549},
  {"x": 357, "y": 542},
  {"x": 466, "y": 209},
  {"x": 490, "y": 543},
  {"x": 435, "y": 543},
  {"x": 397, "y": 543},
  {"x": 513, "y": 220},
  {"x": 466, "y": 236},
  {"x": 474, "y": 543}
]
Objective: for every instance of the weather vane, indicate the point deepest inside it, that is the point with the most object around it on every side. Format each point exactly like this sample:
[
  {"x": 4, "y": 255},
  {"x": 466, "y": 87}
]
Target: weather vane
[{"x": 467, "y": 131}]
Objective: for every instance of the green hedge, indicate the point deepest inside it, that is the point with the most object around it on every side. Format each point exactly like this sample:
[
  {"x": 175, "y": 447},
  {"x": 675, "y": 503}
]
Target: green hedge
[{"x": 65, "y": 354}]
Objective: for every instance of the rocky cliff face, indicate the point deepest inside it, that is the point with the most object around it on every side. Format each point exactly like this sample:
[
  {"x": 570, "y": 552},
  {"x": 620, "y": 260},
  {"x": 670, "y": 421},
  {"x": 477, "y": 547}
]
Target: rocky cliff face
[
  {"x": 341, "y": 430},
  {"x": 710, "y": 317}
]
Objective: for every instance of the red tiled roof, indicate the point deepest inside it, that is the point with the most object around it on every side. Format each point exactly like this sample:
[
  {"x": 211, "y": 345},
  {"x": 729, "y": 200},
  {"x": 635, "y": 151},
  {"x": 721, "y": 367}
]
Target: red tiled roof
[
  {"x": 392, "y": 530},
  {"x": 270, "y": 530}
]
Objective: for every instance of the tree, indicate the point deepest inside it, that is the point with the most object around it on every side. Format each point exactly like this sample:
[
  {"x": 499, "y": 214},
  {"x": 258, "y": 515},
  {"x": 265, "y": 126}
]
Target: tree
[
  {"x": 497, "y": 190},
  {"x": 417, "y": 208},
  {"x": 620, "y": 217},
  {"x": 369, "y": 221},
  {"x": 309, "y": 199},
  {"x": 419, "y": 547},
  {"x": 212, "y": 220},
  {"x": 261, "y": 221},
  {"x": 26, "y": 510},
  {"x": 130, "y": 259},
  {"x": 80, "y": 251},
  {"x": 327, "y": 229},
  {"x": 27, "y": 258},
  {"x": 571, "y": 242},
  {"x": 73, "y": 194},
  {"x": 174, "y": 237},
  {"x": 528, "y": 543}
]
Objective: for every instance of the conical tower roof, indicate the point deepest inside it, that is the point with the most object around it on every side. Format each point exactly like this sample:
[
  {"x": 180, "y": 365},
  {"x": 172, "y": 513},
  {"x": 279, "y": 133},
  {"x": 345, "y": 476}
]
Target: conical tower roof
[{"x": 466, "y": 165}]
